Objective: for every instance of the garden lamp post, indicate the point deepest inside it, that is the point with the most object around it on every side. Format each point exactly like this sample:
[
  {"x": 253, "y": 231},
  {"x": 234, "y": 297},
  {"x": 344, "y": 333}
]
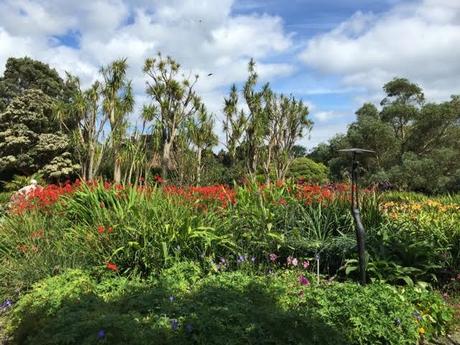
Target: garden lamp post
[{"x": 360, "y": 234}]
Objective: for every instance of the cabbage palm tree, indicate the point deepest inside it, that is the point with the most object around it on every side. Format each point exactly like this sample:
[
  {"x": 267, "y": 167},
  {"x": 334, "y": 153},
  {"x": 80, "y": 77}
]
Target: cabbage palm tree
[
  {"x": 118, "y": 102},
  {"x": 202, "y": 136}
]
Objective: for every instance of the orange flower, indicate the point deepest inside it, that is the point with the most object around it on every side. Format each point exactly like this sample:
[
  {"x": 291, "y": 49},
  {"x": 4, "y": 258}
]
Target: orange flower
[
  {"x": 23, "y": 248},
  {"x": 37, "y": 234},
  {"x": 110, "y": 229},
  {"x": 111, "y": 266}
]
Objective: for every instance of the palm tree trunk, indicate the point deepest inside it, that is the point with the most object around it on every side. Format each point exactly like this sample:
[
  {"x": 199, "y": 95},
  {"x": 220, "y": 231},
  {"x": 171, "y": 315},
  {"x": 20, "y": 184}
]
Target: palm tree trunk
[
  {"x": 198, "y": 167},
  {"x": 90, "y": 169},
  {"x": 117, "y": 169},
  {"x": 166, "y": 158}
]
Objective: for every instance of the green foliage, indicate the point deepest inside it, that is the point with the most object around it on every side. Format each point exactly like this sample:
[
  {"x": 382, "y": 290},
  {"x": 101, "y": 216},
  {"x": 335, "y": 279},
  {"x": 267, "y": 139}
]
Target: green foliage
[
  {"x": 265, "y": 135},
  {"x": 174, "y": 102},
  {"x": 143, "y": 232},
  {"x": 308, "y": 170},
  {"x": 148, "y": 231},
  {"x": 416, "y": 144},
  {"x": 23, "y": 74},
  {"x": 229, "y": 308},
  {"x": 118, "y": 102},
  {"x": 30, "y": 139},
  {"x": 418, "y": 234},
  {"x": 18, "y": 181},
  {"x": 4, "y": 201}
]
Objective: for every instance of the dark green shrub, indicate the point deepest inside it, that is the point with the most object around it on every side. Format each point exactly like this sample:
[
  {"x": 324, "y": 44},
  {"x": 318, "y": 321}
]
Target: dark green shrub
[
  {"x": 229, "y": 308},
  {"x": 308, "y": 170}
]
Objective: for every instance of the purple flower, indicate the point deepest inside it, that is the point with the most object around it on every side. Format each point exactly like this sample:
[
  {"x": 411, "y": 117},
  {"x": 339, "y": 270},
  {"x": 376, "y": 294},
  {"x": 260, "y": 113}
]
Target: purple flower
[
  {"x": 253, "y": 259},
  {"x": 289, "y": 260},
  {"x": 174, "y": 324},
  {"x": 241, "y": 259},
  {"x": 294, "y": 262},
  {"x": 189, "y": 328},
  {"x": 101, "y": 334},
  {"x": 306, "y": 264},
  {"x": 303, "y": 280},
  {"x": 273, "y": 257},
  {"x": 6, "y": 304}
]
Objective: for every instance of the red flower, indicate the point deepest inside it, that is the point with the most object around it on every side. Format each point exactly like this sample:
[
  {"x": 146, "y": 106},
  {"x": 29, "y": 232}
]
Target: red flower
[
  {"x": 111, "y": 266},
  {"x": 100, "y": 229},
  {"x": 41, "y": 197},
  {"x": 159, "y": 179},
  {"x": 110, "y": 229}
]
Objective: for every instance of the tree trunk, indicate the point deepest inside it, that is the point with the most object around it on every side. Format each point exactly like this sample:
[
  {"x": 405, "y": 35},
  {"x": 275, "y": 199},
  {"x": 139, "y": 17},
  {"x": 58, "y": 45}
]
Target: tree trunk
[
  {"x": 165, "y": 159},
  {"x": 130, "y": 174},
  {"x": 90, "y": 169},
  {"x": 117, "y": 169},
  {"x": 198, "y": 167}
]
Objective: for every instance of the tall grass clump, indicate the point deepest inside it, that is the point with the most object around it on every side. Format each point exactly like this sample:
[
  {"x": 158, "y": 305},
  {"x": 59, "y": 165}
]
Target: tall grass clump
[{"x": 142, "y": 230}]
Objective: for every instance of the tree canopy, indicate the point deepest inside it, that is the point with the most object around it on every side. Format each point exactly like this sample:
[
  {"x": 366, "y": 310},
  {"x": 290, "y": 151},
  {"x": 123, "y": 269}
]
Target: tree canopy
[
  {"x": 416, "y": 144},
  {"x": 24, "y": 74},
  {"x": 31, "y": 140}
]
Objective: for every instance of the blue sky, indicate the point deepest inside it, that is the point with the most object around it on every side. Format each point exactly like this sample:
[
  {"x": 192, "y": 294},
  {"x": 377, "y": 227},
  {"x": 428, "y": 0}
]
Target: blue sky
[{"x": 333, "y": 54}]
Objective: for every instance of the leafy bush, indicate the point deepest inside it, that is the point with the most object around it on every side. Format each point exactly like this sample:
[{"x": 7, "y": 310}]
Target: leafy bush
[
  {"x": 421, "y": 233},
  {"x": 308, "y": 170},
  {"x": 229, "y": 308},
  {"x": 18, "y": 181}
]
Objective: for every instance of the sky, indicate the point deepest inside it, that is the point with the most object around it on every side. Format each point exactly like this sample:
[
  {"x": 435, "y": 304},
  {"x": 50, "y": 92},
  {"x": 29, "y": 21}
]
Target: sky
[{"x": 333, "y": 54}]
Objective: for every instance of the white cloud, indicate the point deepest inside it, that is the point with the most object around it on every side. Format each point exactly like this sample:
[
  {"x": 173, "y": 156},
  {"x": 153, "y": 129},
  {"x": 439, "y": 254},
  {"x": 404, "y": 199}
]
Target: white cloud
[
  {"x": 327, "y": 116},
  {"x": 420, "y": 41},
  {"x": 203, "y": 36},
  {"x": 322, "y": 133}
]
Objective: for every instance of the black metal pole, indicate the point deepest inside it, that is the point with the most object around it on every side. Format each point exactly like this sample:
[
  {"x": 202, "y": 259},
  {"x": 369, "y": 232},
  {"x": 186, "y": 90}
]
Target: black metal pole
[{"x": 360, "y": 234}]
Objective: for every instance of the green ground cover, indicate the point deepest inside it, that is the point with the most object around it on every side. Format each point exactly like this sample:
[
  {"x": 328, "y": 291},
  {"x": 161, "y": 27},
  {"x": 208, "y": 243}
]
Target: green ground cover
[{"x": 217, "y": 265}]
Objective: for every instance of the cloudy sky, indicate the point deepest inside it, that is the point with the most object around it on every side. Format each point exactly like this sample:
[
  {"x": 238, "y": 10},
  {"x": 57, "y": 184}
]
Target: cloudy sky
[{"x": 334, "y": 54}]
